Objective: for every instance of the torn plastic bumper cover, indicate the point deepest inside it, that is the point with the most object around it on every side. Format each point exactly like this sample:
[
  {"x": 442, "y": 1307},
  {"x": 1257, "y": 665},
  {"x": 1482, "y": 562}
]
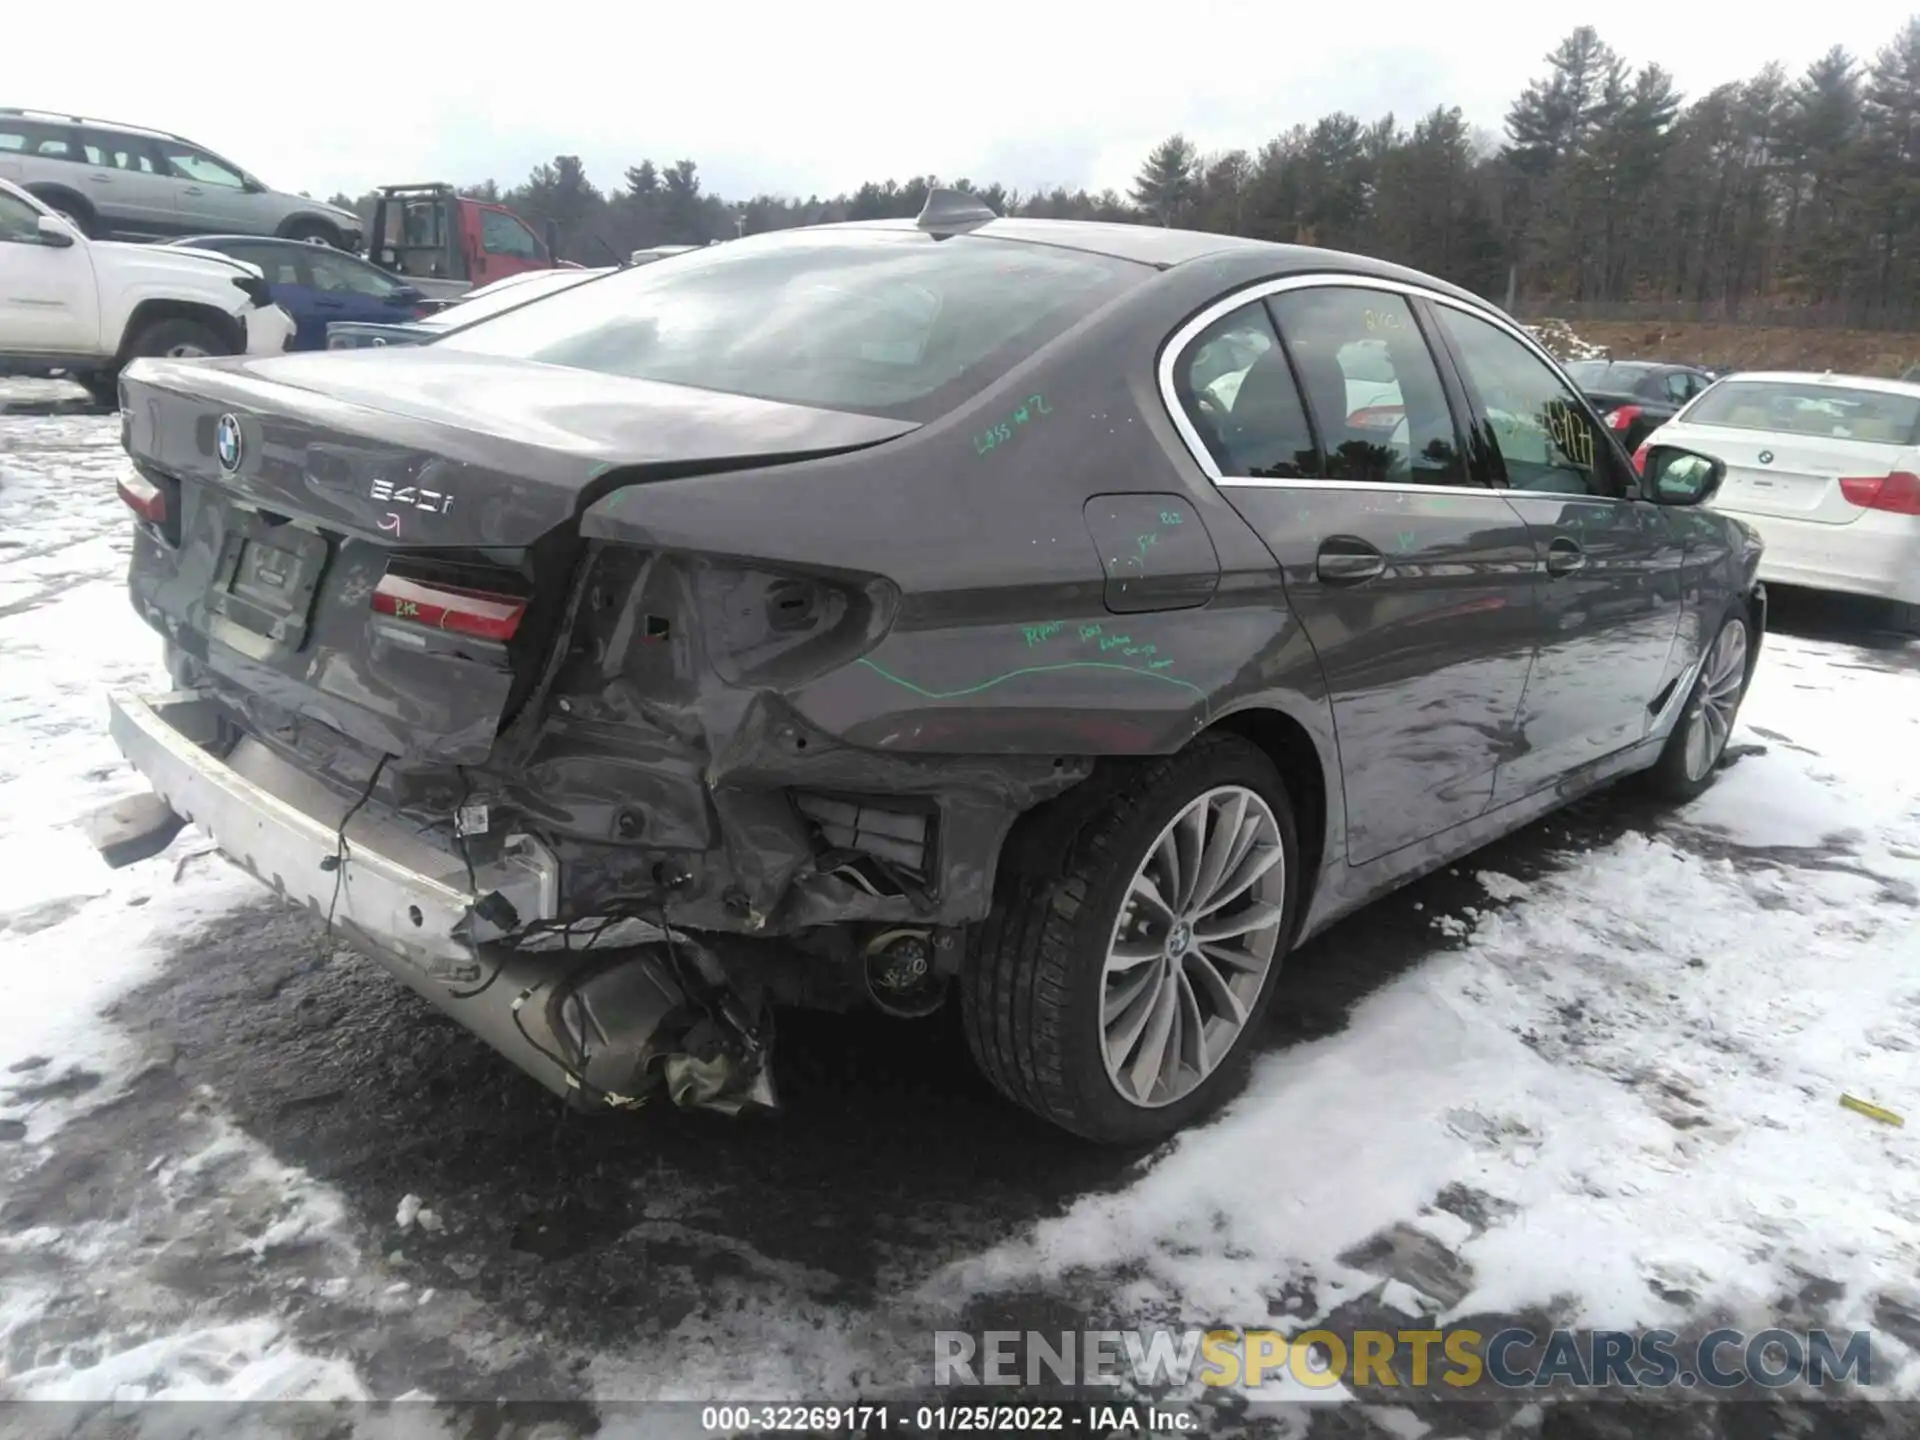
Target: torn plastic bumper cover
[{"x": 603, "y": 1027}]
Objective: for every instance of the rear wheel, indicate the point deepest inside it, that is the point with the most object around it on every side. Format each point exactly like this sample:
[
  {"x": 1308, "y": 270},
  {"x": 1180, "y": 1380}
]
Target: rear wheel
[
  {"x": 1120, "y": 998},
  {"x": 316, "y": 232},
  {"x": 1692, "y": 752},
  {"x": 179, "y": 339}
]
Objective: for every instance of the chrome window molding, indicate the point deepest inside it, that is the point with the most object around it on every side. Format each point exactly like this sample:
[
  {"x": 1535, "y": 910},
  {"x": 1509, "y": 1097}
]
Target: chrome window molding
[{"x": 1176, "y": 346}]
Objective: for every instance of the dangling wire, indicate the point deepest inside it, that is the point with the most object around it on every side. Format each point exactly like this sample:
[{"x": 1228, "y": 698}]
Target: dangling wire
[{"x": 341, "y": 850}]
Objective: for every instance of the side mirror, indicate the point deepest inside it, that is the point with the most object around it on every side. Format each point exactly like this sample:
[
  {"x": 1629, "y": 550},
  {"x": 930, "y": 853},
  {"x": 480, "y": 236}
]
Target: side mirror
[
  {"x": 252, "y": 186},
  {"x": 53, "y": 231},
  {"x": 1681, "y": 477}
]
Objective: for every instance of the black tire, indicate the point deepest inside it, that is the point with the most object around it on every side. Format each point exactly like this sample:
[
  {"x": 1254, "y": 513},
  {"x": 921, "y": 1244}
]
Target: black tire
[
  {"x": 1902, "y": 617},
  {"x": 1031, "y": 988},
  {"x": 103, "y": 386},
  {"x": 1670, "y": 777},
  {"x": 164, "y": 337},
  {"x": 313, "y": 231}
]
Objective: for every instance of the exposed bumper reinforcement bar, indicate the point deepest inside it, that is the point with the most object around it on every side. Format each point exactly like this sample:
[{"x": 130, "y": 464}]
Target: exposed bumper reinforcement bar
[
  {"x": 396, "y": 889},
  {"x": 604, "y": 1029}
]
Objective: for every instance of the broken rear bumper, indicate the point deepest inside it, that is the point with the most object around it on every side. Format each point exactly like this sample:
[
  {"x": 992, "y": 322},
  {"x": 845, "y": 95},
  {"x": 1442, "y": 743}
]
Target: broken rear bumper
[
  {"x": 602, "y": 1029},
  {"x": 387, "y": 885}
]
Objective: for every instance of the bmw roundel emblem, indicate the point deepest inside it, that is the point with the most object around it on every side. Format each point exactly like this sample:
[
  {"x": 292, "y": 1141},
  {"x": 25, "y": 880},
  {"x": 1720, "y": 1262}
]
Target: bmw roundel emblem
[
  {"x": 226, "y": 442},
  {"x": 1766, "y": 457}
]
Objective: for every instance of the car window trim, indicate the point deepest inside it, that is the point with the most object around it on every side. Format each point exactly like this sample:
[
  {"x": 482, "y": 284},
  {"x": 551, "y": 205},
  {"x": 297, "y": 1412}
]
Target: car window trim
[{"x": 1176, "y": 344}]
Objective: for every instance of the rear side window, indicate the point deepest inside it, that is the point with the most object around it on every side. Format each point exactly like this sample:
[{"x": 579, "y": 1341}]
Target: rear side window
[
  {"x": 1371, "y": 386},
  {"x": 1832, "y": 412},
  {"x": 118, "y": 152},
  {"x": 28, "y": 137},
  {"x": 892, "y": 323},
  {"x": 1234, "y": 384}
]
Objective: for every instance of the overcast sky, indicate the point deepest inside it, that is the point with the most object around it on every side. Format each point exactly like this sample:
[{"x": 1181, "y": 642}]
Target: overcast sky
[{"x": 818, "y": 95}]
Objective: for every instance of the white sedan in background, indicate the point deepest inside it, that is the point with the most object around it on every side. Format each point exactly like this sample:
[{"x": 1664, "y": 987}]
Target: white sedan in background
[{"x": 1825, "y": 467}]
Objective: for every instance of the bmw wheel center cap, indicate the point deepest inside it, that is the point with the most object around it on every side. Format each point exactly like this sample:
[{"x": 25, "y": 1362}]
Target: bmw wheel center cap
[{"x": 227, "y": 443}]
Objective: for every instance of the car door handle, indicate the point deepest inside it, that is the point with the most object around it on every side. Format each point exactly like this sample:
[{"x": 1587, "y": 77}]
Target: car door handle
[
  {"x": 194, "y": 190},
  {"x": 1565, "y": 556},
  {"x": 100, "y": 179},
  {"x": 1348, "y": 562}
]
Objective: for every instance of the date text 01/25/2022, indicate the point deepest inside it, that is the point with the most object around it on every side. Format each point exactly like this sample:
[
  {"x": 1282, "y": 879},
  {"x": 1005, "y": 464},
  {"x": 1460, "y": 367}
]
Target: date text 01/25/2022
[{"x": 857, "y": 1419}]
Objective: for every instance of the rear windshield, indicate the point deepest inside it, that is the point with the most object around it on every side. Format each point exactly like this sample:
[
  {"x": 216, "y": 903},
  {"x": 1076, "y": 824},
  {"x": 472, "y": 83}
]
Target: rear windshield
[
  {"x": 1829, "y": 411},
  {"x": 892, "y": 323},
  {"x": 478, "y": 307},
  {"x": 1598, "y": 372}
]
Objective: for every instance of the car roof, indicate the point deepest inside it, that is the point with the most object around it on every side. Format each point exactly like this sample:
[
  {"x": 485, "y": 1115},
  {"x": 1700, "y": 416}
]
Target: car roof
[
  {"x": 55, "y": 117},
  {"x": 1164, "y": 248},
  {"x": 1829, "y": 379},
  {"x": 254, "y": 240}
]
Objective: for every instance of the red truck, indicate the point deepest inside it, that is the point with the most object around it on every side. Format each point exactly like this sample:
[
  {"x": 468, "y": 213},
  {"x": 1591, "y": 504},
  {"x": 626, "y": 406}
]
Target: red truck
[{"x": 446, "y": 243}]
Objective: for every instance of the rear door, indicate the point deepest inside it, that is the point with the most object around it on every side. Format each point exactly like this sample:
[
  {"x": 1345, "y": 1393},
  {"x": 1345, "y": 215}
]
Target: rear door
[
  {"x": 1413, "y": 582},
  {"x": 1609, "y": 564},
  {"x": 125, "y": 182}
]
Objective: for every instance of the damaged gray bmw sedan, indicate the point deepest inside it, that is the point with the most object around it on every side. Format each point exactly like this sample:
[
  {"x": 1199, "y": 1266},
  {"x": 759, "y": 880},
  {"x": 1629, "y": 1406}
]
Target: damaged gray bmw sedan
[{"x": 1067, "y": 618}]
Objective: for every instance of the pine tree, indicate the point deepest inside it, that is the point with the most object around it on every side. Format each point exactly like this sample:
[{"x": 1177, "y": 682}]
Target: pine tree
[{"x": 1165, "y": 186}]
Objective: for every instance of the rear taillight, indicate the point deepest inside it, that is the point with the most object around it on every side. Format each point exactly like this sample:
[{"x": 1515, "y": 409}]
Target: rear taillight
[
  {"x": 143, "y": 497},
  {"x": 1898, "y": 493},
  {"x": 1640, "y": 459},
  {"x": 479, "y": 613},
  {"x": 1377, "y": 417},
  {"x": 1623, "y": 417}
]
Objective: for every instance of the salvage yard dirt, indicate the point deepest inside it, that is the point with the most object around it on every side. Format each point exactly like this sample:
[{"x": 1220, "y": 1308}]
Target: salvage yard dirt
[{"x": 1747, "y": 347}]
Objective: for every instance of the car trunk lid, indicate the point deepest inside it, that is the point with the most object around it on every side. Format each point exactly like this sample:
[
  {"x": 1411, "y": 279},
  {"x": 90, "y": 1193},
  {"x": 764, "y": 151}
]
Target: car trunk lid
[
  {"x": 384, "y": 541},
  {"x": 1794, "y": 477}
]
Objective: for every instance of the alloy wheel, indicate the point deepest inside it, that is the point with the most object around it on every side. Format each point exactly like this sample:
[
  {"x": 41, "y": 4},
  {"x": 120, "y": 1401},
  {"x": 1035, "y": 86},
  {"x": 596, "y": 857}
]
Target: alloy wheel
[
  {"x": 1192, "y": 946},
  {"x": 1710, "y": 716}
]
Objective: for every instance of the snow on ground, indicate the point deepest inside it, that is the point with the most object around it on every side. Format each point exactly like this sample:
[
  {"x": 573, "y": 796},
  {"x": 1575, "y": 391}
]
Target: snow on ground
[
  {"x": 1627, "y": 1079},
  {"x": 74, "y": 934},
  {"x": 1609, "y": 1094}
]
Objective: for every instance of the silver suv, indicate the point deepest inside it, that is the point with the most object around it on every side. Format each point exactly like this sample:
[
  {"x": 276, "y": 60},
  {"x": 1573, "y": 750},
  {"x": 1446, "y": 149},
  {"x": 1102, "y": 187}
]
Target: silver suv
[{"x": 122, "y": 182}]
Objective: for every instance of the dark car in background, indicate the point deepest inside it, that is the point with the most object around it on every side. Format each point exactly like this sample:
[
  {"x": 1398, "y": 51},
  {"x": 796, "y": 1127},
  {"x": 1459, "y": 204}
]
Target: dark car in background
[
  {"x": 1041, "y": 613},
  {"x": 502, "y": 295},
  {"x": 1637, "y": 397},
  {"x": 318, "y": 285}
]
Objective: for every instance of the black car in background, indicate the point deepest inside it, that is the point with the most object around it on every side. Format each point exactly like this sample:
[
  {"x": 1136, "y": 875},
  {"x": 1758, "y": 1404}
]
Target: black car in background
[
  {"x": 1070, "y": 617},
  {"x": 1637, "y": 397}
]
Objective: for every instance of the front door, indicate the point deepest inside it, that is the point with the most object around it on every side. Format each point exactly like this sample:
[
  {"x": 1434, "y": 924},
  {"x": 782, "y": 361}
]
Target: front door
[
  {"x": 1413, "y": 583},
  {"x": 507, "y": 246},
  {"x": 343, "y": 287},
  {"x": 209, "y": 194},
  {"x": 48, "y": 303},
  {"x": 1609, "y": 563}
]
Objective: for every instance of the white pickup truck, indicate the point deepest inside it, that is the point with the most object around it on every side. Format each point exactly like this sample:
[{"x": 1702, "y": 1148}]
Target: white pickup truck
[{"x": 86, "y": 307}]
